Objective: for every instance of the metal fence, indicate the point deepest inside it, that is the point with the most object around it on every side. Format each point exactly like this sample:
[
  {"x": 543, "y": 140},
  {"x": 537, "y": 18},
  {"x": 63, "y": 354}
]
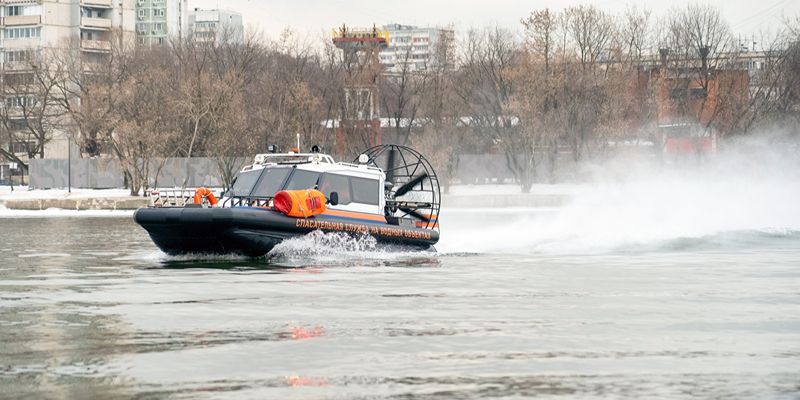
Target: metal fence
[{"x": 106, "y": 173}]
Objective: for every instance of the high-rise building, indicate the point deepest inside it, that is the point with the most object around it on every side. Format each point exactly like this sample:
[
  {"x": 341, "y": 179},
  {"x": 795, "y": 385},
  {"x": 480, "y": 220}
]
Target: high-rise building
[
  {"x": 30, "y": 26},
  {"x": 34, "y": 24},
  {"x": 157, "y": 20},
  {"x": 417, "y": 47},
  {"x": 215, "y": 25}
]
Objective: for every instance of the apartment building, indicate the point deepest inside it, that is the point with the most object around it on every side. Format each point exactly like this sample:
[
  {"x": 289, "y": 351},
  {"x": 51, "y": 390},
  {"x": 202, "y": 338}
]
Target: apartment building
[
  {"x": 414, "y": 46},
  {"x": 32, "y": 25},
  {"x": 214, "y": 25},
  {"x": 158, "y": 20},
  {"x": 28, "y": 27}
]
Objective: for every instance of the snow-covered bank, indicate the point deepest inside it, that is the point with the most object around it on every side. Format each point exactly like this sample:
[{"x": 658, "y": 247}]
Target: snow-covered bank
[
  {"x": 22, "y": 193},
  {"x": 560, "y": 189},
  {"x": 505, "y": 196},
  {"x": 78, "y": 199},
  {"x": 57, "y": 212},
  {"x": 460, "y": 196}
]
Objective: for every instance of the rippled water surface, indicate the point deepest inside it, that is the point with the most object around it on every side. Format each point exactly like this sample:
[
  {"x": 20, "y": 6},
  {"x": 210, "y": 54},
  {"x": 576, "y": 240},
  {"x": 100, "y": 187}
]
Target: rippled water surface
[{"x": 90, "y": 308}]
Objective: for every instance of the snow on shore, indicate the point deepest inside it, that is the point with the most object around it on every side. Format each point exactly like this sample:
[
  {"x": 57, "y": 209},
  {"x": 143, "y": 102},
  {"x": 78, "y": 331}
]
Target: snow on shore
[
  {"x": 499, "y": 190},
  {"x": 57, "y": 212},
  {"x": 488, "y": 197},
  {"x": 22, "y": 193}
]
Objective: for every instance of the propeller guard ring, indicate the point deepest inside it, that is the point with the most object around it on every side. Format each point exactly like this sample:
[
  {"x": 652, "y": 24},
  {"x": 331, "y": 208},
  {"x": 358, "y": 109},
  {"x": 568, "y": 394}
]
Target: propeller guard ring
[{"x": 412, "y": 177}]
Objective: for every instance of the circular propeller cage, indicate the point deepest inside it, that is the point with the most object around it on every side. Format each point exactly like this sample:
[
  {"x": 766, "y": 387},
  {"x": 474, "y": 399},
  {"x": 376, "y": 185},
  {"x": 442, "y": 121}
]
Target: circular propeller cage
[{"x": 414, "y": 191}]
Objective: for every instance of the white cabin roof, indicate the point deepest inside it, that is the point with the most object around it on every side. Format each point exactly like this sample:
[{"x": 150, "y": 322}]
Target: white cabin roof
[{"x": 314, "y": 162}]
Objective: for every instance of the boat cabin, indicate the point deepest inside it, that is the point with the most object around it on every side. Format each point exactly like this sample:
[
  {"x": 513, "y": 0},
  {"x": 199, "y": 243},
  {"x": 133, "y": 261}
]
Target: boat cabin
[{"x": 357, "y": 188}]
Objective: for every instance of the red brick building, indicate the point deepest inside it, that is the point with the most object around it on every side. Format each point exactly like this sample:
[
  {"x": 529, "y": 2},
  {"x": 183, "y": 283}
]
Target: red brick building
[{"x": 692, "y": 106}]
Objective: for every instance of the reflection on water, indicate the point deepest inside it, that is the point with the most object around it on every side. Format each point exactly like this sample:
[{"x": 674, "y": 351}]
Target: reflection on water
[{"x": 89, "y": 308}]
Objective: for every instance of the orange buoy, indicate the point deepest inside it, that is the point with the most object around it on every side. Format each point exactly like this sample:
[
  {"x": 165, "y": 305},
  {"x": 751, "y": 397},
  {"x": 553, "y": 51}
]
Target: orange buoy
[
  {"x": 202, "y": 192},
  {"x": 299, "y": 203}
]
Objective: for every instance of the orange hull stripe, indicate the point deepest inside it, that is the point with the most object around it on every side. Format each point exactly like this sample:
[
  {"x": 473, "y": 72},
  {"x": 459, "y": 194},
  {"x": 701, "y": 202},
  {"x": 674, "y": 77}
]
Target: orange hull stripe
[{"x": 356, "y": 215}]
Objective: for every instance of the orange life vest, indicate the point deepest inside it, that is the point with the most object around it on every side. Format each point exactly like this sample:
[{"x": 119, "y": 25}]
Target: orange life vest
[{"x": 299, "y": 203}]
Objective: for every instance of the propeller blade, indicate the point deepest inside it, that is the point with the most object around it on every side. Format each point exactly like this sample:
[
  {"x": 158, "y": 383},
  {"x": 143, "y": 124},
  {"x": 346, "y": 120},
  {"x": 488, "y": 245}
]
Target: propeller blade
[
  {"x": 415, "y": 214},
  {"x": 415, "y": 205},
  {"x": 410, "y": 185},
  {"x": 390, "y": 160}
]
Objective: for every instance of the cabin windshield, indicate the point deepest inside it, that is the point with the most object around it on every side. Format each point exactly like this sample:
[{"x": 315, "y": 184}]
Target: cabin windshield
[
  {"x": 302, "y": 179},
  {"x": 244, "y": 182},
  {"x": 272, "y": 180},
  {"x": 262, "y": 182}
]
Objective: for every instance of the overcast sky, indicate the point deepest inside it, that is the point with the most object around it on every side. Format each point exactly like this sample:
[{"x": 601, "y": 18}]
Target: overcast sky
[{"x": 312, "y": 17}]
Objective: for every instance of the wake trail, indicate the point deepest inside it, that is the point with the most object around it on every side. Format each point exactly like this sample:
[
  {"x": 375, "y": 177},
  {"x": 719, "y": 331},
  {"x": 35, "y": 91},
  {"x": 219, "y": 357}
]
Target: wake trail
[
  {"x": 340, "y": 248},
  {"x": 740, "y": 198}
]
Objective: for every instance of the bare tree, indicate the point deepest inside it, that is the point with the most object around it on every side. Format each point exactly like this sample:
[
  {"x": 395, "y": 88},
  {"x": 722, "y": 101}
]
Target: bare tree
[
  {"x": 89, "y": 92},
  {"x": 591, "y": 30},
  {"x": 541, "y": 29},
  {"x": 707, "y": 35},
  {"x": 118, "y": 104},
  {"x": 635, "y": 34},
  {"x": 698, "y": 41},
  {"x": 787, "y": 109},
  {"x": 442, "y": 136},
  {"x": 31, "y": 112},
  {"x": 402, "y": 92},
  {"x": 540, "y": 74},
  {"x": 582, "y": 78},
  {"x": 289, "y": 94},
  {"x": 144, "y": 131},
  {"x": 583, "y": 91},
  {"x": 485, "y": 87}
]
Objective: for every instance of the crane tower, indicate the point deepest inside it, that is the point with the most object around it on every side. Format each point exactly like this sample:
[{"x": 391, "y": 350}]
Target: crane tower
[{"x": 360, "y": 125}]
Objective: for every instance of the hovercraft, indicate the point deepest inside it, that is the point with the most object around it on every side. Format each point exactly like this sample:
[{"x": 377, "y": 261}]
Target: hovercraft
[{"x": 390, "y": 192}]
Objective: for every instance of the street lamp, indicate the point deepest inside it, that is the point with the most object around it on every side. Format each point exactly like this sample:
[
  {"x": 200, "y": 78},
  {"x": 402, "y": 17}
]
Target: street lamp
[
  {"x": 69, "y": 165},
  {"x": 12, "y": 167}
]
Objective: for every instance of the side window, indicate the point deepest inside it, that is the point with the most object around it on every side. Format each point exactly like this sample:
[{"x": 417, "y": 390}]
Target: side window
[
  {"x": 244, "y": 182},
  {"x": 336, "y": 183},
  {"x": 351, "y": 189},
  {"x": 365, "y": 190},
  {"x": 271, "y": 181},
  {"x": 302, "y": 180}
]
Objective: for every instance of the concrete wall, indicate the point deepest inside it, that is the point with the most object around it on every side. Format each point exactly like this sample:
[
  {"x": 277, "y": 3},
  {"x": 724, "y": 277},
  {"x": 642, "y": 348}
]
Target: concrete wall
[
  {"x": 201, "y": 172},
  {"x": 86, "y": 173},
  {"x": 106, "y": 173},
  {"x": 482, "y": 168}
]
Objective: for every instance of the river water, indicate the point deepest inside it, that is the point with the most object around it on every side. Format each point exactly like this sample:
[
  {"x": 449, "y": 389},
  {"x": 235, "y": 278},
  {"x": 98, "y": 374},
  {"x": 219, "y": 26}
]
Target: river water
[{"x": 514, "y": 304}]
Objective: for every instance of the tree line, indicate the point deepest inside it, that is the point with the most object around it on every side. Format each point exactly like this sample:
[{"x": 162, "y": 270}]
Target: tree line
[{"x": 569, "y": 84}]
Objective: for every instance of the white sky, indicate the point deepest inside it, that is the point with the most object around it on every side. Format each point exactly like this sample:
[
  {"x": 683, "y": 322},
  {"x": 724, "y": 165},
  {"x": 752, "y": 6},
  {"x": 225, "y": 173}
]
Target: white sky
[{"x": 315, "y": 17}]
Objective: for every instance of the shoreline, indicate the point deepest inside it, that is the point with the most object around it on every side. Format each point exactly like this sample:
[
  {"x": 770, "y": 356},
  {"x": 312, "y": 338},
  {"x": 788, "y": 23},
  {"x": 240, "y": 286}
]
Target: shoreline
[
  {"x": 132, "y": 203},
  {"x": 82, "y": 204},
  {"x": 463, "y": 197}
]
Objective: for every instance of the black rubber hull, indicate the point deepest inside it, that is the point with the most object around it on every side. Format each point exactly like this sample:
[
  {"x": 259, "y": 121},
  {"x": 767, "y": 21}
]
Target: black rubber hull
[{"x": 254, "y": 232}]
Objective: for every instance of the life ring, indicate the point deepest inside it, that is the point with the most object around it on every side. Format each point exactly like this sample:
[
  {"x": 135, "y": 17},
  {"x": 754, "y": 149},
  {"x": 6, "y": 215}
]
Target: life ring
[{"x": 202, "y": 192}]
